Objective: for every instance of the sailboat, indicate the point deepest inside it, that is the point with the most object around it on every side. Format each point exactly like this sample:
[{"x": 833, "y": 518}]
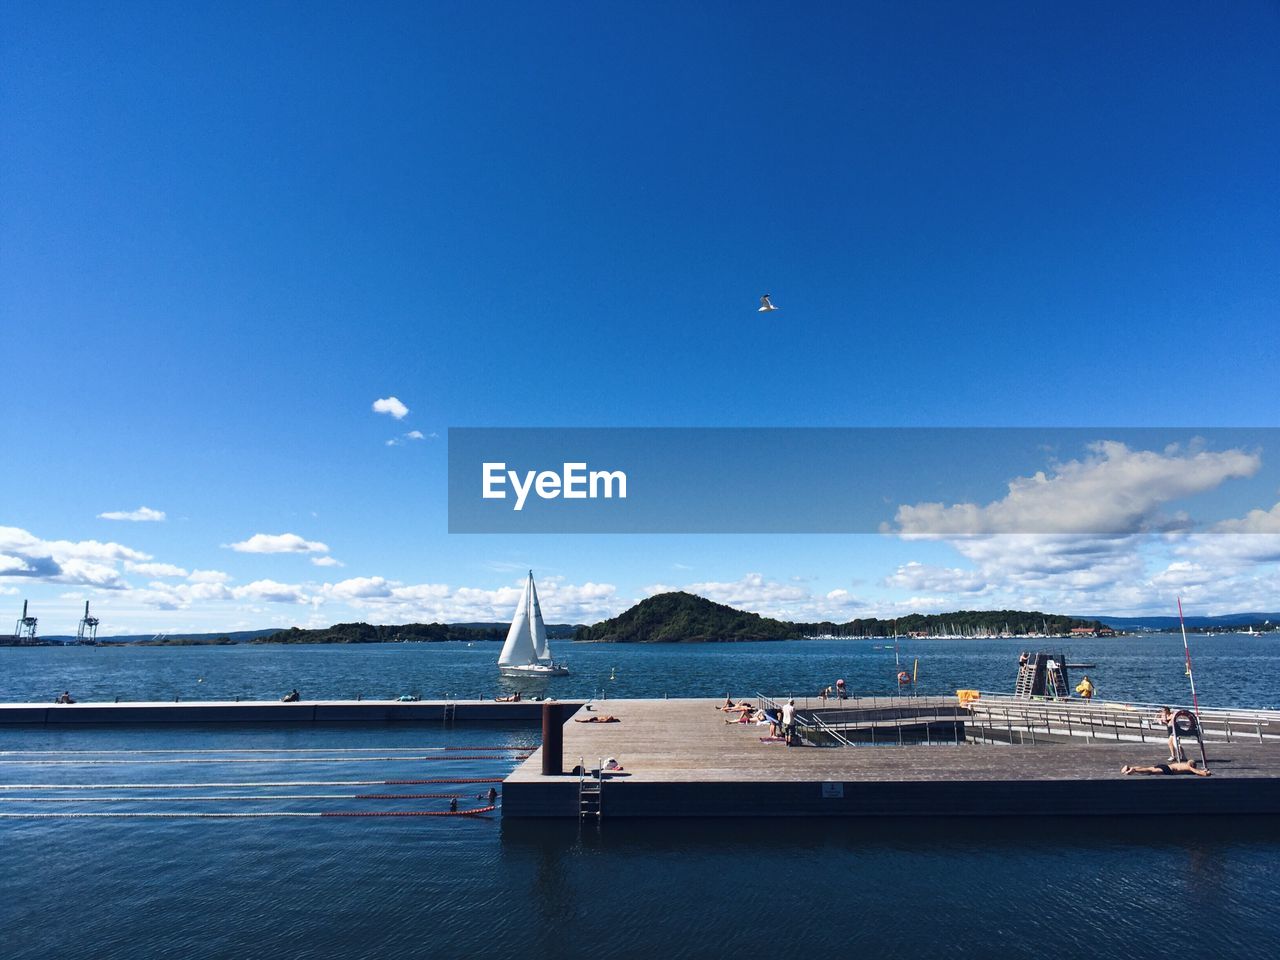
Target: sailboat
[{"x": 526, "y": 652}]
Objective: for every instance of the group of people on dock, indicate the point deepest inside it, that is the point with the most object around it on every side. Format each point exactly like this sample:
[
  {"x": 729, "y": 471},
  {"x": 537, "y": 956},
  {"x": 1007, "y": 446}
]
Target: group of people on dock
[{"x": 781, "y": 721}]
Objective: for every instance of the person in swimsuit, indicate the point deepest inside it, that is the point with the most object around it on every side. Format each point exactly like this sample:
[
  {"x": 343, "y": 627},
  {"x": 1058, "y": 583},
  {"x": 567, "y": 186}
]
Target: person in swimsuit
[{"x": 1169, "y": 769}]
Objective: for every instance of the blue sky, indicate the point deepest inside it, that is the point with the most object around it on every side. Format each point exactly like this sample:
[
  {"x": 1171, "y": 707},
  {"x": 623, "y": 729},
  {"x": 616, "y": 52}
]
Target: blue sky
[{"x": 226, "y": 231}]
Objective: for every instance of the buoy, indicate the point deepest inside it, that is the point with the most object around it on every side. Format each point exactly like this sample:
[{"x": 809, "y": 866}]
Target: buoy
[{"x": 904, "y": 678}]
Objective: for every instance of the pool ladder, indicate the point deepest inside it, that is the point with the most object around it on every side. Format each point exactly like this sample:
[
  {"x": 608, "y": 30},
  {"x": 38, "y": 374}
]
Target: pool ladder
[{"x": 590, "y": 793}]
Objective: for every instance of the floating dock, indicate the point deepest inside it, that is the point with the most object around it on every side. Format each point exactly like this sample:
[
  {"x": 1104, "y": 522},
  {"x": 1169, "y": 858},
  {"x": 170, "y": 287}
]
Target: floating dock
[
  {"x": 907, "y": 756},
  {"x": 680, "y": 759}
]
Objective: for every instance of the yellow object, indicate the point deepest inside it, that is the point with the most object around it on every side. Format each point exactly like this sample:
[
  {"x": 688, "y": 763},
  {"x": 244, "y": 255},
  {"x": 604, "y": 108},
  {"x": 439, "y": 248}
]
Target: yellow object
[
  {"x": 1085, "y": 688},
  {"x": 967, "y": 696}
]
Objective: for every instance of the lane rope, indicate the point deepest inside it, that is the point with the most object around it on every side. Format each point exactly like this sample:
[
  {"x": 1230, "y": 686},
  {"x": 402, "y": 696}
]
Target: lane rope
[
  {"x": 246, "y": 816},
  {"x": 263, "y": 796},
  {"x": 246, "y": 783},
  {"x": 206, "y": 760},
  {"x": 71, "y": 753}
]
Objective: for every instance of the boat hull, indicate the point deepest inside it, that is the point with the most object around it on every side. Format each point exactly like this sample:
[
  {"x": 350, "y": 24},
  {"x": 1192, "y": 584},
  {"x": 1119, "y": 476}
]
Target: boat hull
[{"x": 535, "y": 670}]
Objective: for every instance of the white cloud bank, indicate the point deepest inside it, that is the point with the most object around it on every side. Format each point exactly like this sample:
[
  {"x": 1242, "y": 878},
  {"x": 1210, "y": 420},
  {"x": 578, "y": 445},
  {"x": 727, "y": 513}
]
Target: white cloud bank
[
  {"x": 1114, "y": 490},
  {"x": 392, "y": 407},
  {"x": 141, "y": 515},
  {"x": 278, "y": 543}
]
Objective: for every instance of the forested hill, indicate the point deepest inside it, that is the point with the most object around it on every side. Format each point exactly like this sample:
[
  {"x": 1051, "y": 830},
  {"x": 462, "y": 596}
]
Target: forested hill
[{"x": 686, "y": 618}]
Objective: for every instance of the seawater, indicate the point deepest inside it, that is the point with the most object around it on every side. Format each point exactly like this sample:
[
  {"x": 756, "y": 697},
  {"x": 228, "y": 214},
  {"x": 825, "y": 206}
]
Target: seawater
[{"x": 460, "y": 887}]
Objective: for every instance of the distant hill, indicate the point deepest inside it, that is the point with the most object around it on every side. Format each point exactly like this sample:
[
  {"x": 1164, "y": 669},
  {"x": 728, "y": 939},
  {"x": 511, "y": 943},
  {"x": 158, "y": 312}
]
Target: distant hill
[
  {"x": 556, "y": 631},
  {"x": 396, "y": 633},
  {"x": 684, "y": 618},
  {"x": 175, "y": 639},
  {"x": 1258, "y": 621}
]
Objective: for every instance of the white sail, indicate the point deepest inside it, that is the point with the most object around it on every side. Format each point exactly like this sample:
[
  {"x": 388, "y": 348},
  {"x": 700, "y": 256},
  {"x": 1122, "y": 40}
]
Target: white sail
[
  {"x": 519, "y": 649},
  {"x": 540, "y": 648}
]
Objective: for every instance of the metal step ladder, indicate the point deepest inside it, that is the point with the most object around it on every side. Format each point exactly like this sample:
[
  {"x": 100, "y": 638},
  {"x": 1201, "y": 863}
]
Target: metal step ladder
[
  {"x": 450, "y": 712},
  {"x": 1057, "y": 683},
  {"x": 1026, "y": 680},
  {"x": 590, "y": 794}
]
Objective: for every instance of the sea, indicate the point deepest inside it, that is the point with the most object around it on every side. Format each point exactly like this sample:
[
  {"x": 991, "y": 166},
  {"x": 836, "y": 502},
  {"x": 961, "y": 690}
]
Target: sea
[{"x": 216, "y": 846}]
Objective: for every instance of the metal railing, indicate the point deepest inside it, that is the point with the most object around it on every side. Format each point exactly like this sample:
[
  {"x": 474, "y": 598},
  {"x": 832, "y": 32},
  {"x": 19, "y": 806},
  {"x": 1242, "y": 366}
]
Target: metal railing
[{"x": 1107, "y": 720}]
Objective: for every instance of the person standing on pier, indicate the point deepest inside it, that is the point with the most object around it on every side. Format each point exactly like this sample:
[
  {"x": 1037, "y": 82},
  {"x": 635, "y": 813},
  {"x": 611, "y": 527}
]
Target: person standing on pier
[
  {"x": 1165, "y": 717},
  {"x": 789, "y": 721},
  {"x": 1085, "y": 688}
]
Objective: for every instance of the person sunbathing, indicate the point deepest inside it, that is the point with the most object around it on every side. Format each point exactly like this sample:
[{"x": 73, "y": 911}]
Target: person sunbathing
[
  {"x": 1168, "y": 769},
  {"x": 510, "y": 698},
  {"x": 598, "y": 718}
]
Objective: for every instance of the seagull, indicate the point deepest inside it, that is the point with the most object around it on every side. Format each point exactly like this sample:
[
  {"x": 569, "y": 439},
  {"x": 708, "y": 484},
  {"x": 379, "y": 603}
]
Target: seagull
[{"x": 765, "y": 305}]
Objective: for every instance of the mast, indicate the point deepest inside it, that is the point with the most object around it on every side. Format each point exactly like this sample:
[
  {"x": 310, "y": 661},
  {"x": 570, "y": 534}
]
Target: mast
[
  {"x": 1187, "y": 649},
  {"x": 541, "y": 649}
]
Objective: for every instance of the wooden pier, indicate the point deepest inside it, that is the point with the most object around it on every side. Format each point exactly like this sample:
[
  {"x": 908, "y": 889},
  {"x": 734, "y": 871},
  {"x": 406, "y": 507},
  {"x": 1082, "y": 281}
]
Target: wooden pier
[{"x": 681, "y": 759}]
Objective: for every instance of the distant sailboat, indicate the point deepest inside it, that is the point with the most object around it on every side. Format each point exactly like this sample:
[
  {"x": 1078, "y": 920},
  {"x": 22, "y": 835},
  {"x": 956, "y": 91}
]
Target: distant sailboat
[{"x": 526, "y": 652}]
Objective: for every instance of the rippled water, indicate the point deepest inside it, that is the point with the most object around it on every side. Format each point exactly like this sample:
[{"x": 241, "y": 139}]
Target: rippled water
[
  {"x": 458, "y": 887},
  {"x": 1230, "y": 670}
]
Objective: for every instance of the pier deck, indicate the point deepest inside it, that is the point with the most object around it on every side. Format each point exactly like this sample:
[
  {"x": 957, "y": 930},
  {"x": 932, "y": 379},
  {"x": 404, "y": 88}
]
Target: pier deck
[{"x": 681, "y": 759}]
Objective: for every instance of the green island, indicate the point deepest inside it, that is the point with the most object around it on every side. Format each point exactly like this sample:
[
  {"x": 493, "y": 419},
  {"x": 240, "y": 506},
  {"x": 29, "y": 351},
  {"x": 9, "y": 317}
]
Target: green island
[{"x": 685, "y": 618}]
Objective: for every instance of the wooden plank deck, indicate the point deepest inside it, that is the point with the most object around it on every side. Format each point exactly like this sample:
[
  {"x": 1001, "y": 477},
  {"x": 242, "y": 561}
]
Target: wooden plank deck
[{"x": 681, "y": 759}]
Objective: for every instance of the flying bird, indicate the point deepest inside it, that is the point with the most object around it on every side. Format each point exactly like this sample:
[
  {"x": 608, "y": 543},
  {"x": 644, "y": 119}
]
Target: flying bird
[{"x": 766, "y": 305}]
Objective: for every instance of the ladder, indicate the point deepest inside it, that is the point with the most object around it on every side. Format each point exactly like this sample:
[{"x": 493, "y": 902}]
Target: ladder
[
  {"x": 1026, "y": 680},
  {"x": 590, "y": 790},
  {"x": 450, "y": 711},
  {"x": 1057, "y": 683}
]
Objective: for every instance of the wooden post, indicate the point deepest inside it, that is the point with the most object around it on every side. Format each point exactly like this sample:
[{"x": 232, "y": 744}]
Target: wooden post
[{"x": 552, "y": 740}]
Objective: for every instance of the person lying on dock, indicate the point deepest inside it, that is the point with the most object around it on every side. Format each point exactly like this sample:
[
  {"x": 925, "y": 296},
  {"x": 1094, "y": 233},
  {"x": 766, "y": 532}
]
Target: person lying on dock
[
  {"x": 1168, "y": 769},
  {"x": 509, "y": 698},
  {"x": 739, "y": 708},
  {"x": 293, "y": 696},
  {"x": 598, "y": 718},
  {"x": 746, "y": 716}
]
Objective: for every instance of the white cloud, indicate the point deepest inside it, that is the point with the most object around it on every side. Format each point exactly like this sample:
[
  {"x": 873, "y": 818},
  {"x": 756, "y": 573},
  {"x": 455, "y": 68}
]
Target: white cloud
[
  {"x": 1255, "y": 521},
  {"x": 414, "y": 435},
  {"x": 327, "y": 561},
  {"x": 394, "y": 442},
  {"x": 278, "y": 543},
  {"x": 155, "y": 569},
  {"x": 271, "y": 592},
  {"x": 916, "y": 576},
  {"x": 208, "y": 576},
  {"x": 141, "y": 515},
  {"x": 1114, "y": 490},
  {"x": 87, "y": 562},
  {"x": 391, "y": 406}
]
